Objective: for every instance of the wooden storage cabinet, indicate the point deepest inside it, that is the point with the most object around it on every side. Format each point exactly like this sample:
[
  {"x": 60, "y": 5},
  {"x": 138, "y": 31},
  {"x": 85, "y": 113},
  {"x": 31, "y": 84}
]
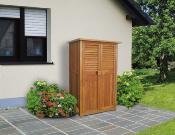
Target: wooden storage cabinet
[{"x": 93, "y": 75}]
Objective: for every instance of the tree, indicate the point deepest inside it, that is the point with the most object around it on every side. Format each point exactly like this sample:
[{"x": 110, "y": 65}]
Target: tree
[
  {"x": 156, "y": 42},
  {"x": 142, "y": 48}
]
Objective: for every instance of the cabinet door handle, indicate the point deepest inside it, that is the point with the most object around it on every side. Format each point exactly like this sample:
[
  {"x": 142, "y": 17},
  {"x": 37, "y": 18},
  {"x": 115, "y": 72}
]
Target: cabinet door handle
[{"x": 98, "y": 72}]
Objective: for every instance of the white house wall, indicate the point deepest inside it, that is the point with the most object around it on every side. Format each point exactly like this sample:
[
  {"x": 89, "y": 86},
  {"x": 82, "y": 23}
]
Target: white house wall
[{"x": 70, "y": 19}]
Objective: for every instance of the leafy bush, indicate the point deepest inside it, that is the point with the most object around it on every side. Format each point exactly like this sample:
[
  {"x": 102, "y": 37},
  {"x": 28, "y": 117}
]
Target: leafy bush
[
  {"x": 48, "y": 100},
  {"x": 34, "y": 101},
  {"x": 130, "y": 89}
]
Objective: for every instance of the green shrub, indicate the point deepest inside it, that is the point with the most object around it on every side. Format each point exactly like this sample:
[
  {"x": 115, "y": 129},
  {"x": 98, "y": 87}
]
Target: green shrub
[
  {"x": 33, "y": 101},
  {"x": 48, "y": 100},
  {"x": 130, "y": 89}
]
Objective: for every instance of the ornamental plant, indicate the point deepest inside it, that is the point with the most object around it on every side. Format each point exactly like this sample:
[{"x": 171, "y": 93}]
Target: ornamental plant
[
  {"x": 130, "y": 89},
  {"x": 48, "y": 100}
]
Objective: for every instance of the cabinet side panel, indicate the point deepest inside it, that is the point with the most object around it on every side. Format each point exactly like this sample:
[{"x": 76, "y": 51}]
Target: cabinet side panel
[
  {"x": 74, "y": 69},
  {"x": 115, "y": 71}
]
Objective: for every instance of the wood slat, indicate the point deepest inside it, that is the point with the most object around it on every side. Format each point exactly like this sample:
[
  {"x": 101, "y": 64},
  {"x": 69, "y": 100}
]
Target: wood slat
[{"x": 90, "y": 54}]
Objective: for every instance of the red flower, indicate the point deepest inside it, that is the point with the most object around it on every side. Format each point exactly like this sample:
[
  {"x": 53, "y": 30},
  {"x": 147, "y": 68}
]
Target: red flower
[
  {"x": 50, "y": 104},
  {"x": 46, "y": 98},
  {"x": 60, "y": 110}
]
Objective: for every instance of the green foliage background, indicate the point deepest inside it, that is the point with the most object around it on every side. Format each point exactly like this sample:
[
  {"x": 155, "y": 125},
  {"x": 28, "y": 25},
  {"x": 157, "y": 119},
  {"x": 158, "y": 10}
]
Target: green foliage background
[{"x": 151, "y": 42}]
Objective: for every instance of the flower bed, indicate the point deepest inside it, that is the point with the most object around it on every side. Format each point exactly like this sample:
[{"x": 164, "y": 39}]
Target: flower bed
[{"x": 48, "y": 100}]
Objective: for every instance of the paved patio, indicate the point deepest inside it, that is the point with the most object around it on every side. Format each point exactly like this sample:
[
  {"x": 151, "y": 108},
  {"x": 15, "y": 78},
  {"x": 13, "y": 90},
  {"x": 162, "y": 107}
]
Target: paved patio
[{"x": 120, "y": 122}]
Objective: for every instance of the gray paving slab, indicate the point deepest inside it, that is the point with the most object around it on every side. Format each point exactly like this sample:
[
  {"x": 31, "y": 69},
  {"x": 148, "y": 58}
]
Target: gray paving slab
[
  {"x": 140, "y": 128},
  {"x": 4, "y": 125},
  {"x": 64, "y": 125},
  {"x": 8, "y": 131},
  {"x": 6, "y": 128},
  {"x": 161, "y": 119},
  {"x": 118, "y": 113},
  {"x": 129, "y": 115},
  {"x": 150, "y": 116},
  {"x": 135, "y": 125},
  {"x": 115, "y": 120},
  {"x": 135, "y": 118},
  {"x": 117, "y": 131},
  {"x": 93, "y": 122},
  {"x": 85, "y": 118},
  {"x": 129, "y": 133},
  {"x": 42, "y": 131},
  {"x": 148, "y": 122},
  {"x": 122, "y": 121},
  {"x": 68, "y": 129},
  {"x": 142, "y": 114},
  {"x": 105, "y": 116},
  {"x": 99, "y": 125},
  {"x": 107, "y": 128},
  {"x": 80, "y": 131},
  {"x": 133, "y": 111},
  {"x": 92, "y": 133},
  {"x": 121, "y": 108},
  {"x": 140, "y": 108},
  {"x": 57, "y": 133}
]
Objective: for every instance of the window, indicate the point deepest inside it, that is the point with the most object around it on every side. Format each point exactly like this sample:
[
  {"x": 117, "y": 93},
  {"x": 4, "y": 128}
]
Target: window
[
  {"x": 35, "y": 46},
  {"x": 36, "y": 49},
  {"x": 23, "y": 35},
  {"x": 8, "y": 37}
]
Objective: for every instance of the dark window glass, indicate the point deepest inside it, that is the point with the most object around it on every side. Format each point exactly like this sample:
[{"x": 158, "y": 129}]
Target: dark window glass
[
  {"x": 7, "y": 37},
  {"x": 35, "y": 46}
]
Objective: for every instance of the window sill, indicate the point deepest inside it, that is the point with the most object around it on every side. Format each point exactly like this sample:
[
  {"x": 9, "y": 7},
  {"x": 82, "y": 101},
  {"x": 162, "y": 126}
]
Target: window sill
[{"x": 26, "y": 63}]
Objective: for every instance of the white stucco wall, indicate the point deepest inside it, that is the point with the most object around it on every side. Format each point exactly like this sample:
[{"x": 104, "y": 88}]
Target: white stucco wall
[{"x": 70, "y": 19}]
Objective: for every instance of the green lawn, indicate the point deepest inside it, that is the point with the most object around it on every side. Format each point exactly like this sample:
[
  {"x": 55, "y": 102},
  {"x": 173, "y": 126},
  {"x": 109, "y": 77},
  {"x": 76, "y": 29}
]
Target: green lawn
[
  {"x": 164, "y": 129},
  {"x": 160, "y": 96}
]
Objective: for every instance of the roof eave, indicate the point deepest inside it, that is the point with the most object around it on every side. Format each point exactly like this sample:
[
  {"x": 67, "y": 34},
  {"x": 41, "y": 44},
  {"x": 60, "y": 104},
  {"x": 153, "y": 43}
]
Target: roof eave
[
  {"x": 141, "y": 21},
  {"x": 139, "y": 18}
]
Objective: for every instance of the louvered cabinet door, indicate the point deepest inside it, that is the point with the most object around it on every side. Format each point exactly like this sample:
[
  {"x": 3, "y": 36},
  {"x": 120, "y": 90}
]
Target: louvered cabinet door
[
  {"x": 90, "y": 77},
  {"x": 106, "y": 94}
]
